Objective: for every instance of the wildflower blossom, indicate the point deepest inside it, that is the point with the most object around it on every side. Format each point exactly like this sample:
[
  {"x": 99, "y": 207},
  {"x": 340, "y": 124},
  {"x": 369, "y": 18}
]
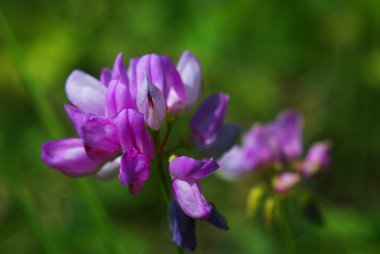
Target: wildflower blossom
[
  {"x": 276, "y": 144},
  {"x": 111, "y": 116}
]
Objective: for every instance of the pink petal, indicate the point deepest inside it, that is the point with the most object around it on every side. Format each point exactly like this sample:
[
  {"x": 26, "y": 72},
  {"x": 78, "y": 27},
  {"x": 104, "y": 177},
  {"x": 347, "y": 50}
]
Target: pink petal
[
  {"x": 86, "y": 92},
  {"x": 190, "y": 198},
  {"x": 69, "y": 157}
]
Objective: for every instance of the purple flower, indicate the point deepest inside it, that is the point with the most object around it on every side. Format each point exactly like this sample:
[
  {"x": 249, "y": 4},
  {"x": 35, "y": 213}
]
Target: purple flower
[
  {"x": 317, "y": 158},
  {"x": 104, "y": 116},
  {"x": 183, "y": 226},
  {"x": 187, "y": 191},
  {"x": 285, "y": 181},
  {"x": 276, "y": 142},
  {"x": 208, "y": 132}
]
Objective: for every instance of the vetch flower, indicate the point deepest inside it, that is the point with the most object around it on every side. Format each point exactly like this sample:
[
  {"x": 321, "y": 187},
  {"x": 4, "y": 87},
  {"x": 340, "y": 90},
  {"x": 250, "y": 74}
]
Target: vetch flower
[
  {"x": 112, "y": 133},
  {"x": 187, "y": 191},
  {"x": 209, "y": 134},
  {"x": 265, "y": 144}
]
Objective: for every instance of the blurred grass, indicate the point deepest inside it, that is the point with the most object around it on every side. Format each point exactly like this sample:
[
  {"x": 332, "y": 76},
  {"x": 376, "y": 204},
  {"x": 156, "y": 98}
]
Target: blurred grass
[{"x": 321, "y": 57}]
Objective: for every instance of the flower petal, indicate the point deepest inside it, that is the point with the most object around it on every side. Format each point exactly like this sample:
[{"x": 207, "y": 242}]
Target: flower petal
[
  {"x": 260, "y": 144},
  {"x": 189, "y": 197},
  {"x": 235, "y": 164},
  {"x": 69, "y": 157},
  {"x": 119, "y": 72},
  {"x": 109, "y": 169},
  {"x": 217, "y": 219},
  {"x": 118, "y": 97},
  {"x": 174, "y": 90},
  {"x": 317, "y": 158},
  {"x": 289, "y": 133},
  {"x": 208, "y": 167},
  {"x": 86, "y": 92},
  {"x": 182, "y": 227},
  {"x": 184, "y": 167},
  {"x": 76, "y": 116},
  {"x": 208, "y": 120},
  {"x": 134, "y": 169},
  {"x": 151, "y": 103},
  {"x": 98, "y": 132},
  {"x": 132, "y": 132},
  {"x": 105, "y": 76},
  {"x": 224, "y": 140},
  {"x": 190, "y": 72}
]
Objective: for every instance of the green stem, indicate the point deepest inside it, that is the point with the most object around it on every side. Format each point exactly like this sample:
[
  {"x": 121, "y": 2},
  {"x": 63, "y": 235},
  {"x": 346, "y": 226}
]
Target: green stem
[
  {"x": 284, "y": 227},
  {"x": 167, "y": 134},
  {"x": 163, "y": 178},
  {"x": 160, "y": 156}
]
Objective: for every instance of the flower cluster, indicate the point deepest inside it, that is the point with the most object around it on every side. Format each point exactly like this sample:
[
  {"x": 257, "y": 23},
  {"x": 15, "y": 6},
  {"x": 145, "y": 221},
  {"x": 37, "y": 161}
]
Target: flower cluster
[
  {"x": 278, "y": 145},
  {"x": 112, "y": 116},
  {"x": 118, "y": 118}
]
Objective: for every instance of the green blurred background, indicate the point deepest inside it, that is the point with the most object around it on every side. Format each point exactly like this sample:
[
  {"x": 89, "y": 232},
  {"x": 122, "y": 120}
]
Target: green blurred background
[{"x": 321, "y": 57}]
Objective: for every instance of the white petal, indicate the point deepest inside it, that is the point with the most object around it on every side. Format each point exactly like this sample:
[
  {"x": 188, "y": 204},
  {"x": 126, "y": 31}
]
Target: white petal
[{"x": 86, "y": 92}]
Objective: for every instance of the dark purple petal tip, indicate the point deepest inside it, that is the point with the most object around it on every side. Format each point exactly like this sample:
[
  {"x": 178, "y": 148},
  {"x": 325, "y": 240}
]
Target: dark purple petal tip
[
  {"x": 182, "y": 227},
  {"x": 217, "y": 219}
]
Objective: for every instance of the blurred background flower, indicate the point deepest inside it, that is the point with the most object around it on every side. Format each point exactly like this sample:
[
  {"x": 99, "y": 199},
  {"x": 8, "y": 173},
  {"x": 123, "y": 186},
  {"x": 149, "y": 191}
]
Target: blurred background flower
[{"x": 321, "y": 57}]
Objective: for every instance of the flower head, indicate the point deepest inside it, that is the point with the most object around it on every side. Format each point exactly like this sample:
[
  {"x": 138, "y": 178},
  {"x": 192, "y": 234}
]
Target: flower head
[
  {"x": 186, "y": 189},
  {"x": 103, "y": 114}
]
